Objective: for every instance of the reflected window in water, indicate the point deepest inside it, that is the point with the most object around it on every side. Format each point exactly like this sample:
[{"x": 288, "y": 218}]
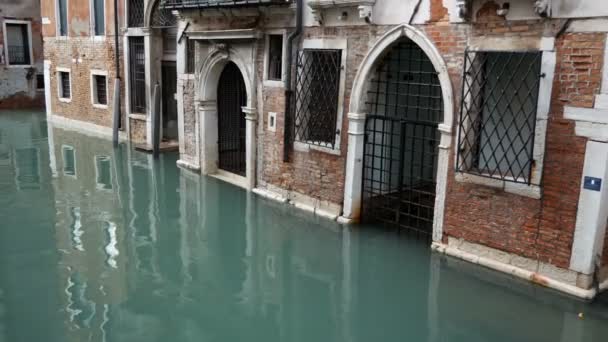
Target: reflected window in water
[
  {"x": 103, "y": 172},
  {"x": 69, "y": 160},
  {"x": 27, "y": 168}
]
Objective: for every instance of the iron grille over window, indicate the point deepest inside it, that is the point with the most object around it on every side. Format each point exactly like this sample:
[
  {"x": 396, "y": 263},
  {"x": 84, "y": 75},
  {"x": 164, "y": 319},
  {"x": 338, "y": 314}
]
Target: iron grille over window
[
  {"x": 64, "y": 81},
  {"x": 190, "y": 51},
  {"x": 498, "y": 114},
  {"x": 275, "y": 57},
  {"x": 317, "y": 91},
  {"x": 137, "y": 75},
  {"x": 18, "y": 44},
  {"x": 101, "y": 89},
  {"x": 136, "y": 13},
  {"x": 162, "y": 15},
  {"x": 63, "y": 17}
]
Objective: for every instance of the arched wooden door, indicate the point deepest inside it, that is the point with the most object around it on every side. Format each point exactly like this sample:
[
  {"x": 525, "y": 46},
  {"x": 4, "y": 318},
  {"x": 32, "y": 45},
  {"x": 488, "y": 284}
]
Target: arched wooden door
[{"x": 231, "y": 98}]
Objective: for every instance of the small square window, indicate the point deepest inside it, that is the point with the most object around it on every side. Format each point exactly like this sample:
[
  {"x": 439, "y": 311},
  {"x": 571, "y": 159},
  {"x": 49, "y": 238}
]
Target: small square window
[
  {"x": 18, "y": 44},
  {"x": 100, "y": 90},
  {"x": 275, "y": 57},
  {"x": 64, "y": 85}
]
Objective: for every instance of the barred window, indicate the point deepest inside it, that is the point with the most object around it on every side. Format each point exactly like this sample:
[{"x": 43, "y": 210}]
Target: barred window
[
  {"x": 316, "y": 100},
  {"x": 275, "y": 57},
  {"x": 40, "y": 82},
  {"x": 137, "y": 75},
  {"x": 190, "y": 51},
  {"x": 18, "y": 43},
  {"x": 136, "y": 13},
  {"x": 498, "y": 114},
  {"x": 64, "y": 85},
  {"x": 99, "y": 89}
]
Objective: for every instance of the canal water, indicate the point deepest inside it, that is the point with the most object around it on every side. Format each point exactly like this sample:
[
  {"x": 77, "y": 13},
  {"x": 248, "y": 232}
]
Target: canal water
[{"x": 104, "y": 244}]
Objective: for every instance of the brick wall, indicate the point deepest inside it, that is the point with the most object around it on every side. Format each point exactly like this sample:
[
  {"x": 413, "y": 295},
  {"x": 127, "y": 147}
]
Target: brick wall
[
  {"x": 81, "y": 55},
  {"x": 190, "y": 122}
]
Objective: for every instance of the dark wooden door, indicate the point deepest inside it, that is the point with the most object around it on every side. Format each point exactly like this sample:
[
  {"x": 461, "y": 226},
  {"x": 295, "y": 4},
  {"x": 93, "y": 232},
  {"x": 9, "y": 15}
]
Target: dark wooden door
[{"x": 169, "y": 102}]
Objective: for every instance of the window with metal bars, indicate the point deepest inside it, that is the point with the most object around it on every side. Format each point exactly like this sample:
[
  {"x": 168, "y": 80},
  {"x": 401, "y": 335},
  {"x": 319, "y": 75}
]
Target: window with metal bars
[
  {"x": 64, "y": 85},
  {"x": 190, "y": 52},
  {"x": 498, "y": 114},
  {"x": 137, "y": 75},
  {"x": 62, "y": 23},
  {"x": 40, "y": 82},
  {"x": 275, "y": 57},
  {"x": 17, "y": 44},
  {"x": 316, "y": 100},
  {"x": 136, "y": 13},
  {"x": 100, "y": 90}
]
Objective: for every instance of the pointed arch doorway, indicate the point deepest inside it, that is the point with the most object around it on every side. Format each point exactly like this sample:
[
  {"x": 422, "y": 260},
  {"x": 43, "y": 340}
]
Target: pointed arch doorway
[{"x": 231, "y": 98}]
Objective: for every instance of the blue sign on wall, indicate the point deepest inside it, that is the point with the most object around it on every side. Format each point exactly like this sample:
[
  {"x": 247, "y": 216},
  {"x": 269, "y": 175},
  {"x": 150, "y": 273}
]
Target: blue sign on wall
[{"x": 592, "y": 183}]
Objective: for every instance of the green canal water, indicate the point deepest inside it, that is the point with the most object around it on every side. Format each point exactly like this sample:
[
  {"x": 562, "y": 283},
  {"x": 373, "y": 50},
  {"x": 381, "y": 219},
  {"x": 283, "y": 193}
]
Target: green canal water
[{"x": 104, "y": 244}]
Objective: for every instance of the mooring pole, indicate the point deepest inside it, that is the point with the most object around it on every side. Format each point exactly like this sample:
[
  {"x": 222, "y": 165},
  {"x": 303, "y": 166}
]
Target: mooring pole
[
  {"x": 116, "y": 112},
  {"x": 156, "y": 121}
]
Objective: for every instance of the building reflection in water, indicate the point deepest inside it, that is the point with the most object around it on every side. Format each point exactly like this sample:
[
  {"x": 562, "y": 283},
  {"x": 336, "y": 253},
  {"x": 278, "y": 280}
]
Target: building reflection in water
[{"x": 143, "y": 251}]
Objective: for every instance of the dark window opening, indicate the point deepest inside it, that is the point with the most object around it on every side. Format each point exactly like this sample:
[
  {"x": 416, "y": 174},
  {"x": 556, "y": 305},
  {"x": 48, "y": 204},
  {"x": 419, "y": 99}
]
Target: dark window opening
[
  {"x": 18, "y": 44},
  {"x": 498, "y": 114},
  {"x": 316, "y": 100},
  {"x": 190, "y": 52},
  {"x": 63, "y": 17},
  {"x": 40, "y": 82},
  {"x": 136, "y": 13},
  {"x": 137, "y": 75},
  {"x": 99, "y": 16},
  {"x": 275, "y": 57},
  {"x": 101, "y": 95},
  {"x": 64, "y": 82}
]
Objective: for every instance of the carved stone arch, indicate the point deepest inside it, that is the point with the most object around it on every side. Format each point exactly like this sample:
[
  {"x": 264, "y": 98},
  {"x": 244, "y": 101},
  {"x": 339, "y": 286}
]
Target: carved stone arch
[
  {"x": 156, "y": 16},
  {"x": 357, "y": 114}
]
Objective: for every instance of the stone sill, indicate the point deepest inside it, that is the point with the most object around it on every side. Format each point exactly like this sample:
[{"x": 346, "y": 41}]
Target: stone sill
[
  {"x": 324, "y": 4},
  {"x": 525, "y": 190}
]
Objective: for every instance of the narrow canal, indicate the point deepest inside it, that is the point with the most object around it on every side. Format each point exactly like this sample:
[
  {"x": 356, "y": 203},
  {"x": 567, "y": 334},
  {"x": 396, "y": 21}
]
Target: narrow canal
[{"x": 104, "y": 244}]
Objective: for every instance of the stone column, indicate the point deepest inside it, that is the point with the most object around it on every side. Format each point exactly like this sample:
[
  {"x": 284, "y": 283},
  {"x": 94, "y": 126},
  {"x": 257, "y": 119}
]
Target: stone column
[
  {"x": 354, "y": 168},
  {"x": 250, "y": 143},
  {"x": 207, "y": 113}
]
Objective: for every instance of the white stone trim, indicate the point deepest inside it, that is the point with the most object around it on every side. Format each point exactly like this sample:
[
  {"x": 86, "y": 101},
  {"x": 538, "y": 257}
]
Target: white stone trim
[
  {"x": 60, "y": 96},
  {"x": 100, "y": 186},
  {"x": 47, "y": 87},
  {"x": 69, "y": 148},
  {"x": 83, "y": 127},
  {"x": 275, "y": 83},
  {"x": 28, "y": 23},
  {"x": 531, "y": 270},
  {"x": 318, "y": 207},
  {"x": 354, "y": 160},
  {"x": 242, "y": 34},
  {"x": 93, "y": 87},
  {"x": 335, "y": 44}
]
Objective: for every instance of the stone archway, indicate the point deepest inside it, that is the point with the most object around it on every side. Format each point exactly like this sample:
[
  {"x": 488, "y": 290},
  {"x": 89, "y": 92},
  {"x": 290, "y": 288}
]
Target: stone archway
[
  {"x": 207, "y": 80},
  {"x": 357, "y": 115}
]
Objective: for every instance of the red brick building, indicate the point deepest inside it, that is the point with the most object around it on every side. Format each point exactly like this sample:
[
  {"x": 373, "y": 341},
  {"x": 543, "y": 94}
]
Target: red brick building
[{"x": 479, "y": 123}]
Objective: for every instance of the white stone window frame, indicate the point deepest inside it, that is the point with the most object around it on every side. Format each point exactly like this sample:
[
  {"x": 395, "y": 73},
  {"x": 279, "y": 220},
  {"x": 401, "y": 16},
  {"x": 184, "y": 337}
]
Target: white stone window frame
[
  {"x": 18, "y": 170},
  {"x": 333, "y": 44},
  {"x": 268, "y": 82},
  {"x": 99, "y": 185},
  {"x": 70, "y": 148},
  {"x": 60, "y": 96},
  {"x": 93, "y": 84},
  {"x": 93, "y": 21},
  {"x": 546, "y": 46},
  {"x": 58, "y": 20},
  {"x": 29, "y": 39}
]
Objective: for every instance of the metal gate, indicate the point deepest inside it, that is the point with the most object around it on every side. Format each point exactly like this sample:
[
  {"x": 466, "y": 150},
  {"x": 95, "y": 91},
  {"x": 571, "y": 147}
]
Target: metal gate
[
  {"x": 169, "y": 80},
  {"x": 401, "y": 141},
  {"x": 231, "y": 98}
]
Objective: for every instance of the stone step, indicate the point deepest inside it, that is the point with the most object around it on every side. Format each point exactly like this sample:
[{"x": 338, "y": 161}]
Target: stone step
[{"x": 601, "y": 101}]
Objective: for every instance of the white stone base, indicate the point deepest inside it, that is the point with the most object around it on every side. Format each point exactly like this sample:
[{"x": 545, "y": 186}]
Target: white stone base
[
  {"x": 567, "y": 281},
  {"x": 320, "y": 208},
  {"x": 83, "y": 127},
  {"x": 187, "y": 165}
]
